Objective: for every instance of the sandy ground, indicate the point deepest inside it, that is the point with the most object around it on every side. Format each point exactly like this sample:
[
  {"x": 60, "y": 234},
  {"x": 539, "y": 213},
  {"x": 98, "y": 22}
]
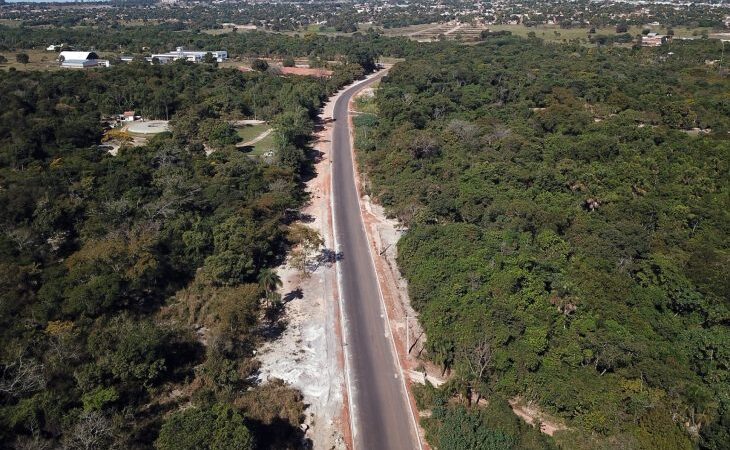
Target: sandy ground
[
  {"x": 113, "y": 146},
  {"x": 532, "y": 414},
  {"x": 243, "y": 122},
  {"x": 148, "y": 126}
]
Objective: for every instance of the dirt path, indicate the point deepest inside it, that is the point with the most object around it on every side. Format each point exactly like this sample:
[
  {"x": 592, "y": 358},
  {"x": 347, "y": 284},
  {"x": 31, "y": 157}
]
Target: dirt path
[
  {"x": 532, "y": 414},
  {"x": 456, "y": 28},
  {"x": 244, "y": 122},
  {"x": 425, "y": 30}
]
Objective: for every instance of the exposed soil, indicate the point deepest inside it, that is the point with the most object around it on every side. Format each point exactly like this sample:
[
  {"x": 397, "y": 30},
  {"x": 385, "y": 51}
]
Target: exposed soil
[
  {"x": 532, "y": 415},
  {"x": 308, "y": 353}
]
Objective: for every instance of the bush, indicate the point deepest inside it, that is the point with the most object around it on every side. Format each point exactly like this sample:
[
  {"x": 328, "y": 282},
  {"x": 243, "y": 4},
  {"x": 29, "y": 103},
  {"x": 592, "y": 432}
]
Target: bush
[{"x": 218, "y": 428}]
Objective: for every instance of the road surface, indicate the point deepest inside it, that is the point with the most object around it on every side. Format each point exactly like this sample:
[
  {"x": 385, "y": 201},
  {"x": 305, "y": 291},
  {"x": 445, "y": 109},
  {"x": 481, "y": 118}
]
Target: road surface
[{"x": 382, "y": 418}]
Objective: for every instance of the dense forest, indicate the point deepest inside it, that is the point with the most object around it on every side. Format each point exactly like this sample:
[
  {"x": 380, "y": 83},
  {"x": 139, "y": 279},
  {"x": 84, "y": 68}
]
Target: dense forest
[
  {"x": 568, "y": 237},
  {"x": 131, "y": 285},
  {"x": 165, "y": 37}
]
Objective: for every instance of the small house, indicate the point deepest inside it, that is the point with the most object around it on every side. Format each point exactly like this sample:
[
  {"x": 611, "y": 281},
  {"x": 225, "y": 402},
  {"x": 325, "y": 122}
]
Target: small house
[
  {"x": 653, "y": 40},
  {"x": 127, "y": 116}
]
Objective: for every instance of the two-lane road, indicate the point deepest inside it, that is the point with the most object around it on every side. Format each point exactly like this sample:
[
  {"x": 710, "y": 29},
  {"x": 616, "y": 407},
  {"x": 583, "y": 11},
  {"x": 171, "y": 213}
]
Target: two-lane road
[{"x": 382, "y": 418}]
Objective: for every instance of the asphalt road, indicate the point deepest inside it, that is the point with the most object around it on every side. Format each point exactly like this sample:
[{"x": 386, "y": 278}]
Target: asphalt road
[{"x": 382, "y": 417}]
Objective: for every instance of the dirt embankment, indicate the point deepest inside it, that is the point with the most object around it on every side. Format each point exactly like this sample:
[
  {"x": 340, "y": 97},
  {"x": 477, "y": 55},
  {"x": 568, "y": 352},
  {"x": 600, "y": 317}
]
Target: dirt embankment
[{"x": 307, "y": 350}]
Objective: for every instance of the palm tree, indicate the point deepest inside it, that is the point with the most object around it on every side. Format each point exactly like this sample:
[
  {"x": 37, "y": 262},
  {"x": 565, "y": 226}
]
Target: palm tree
[{"x": 269, "y": 281}]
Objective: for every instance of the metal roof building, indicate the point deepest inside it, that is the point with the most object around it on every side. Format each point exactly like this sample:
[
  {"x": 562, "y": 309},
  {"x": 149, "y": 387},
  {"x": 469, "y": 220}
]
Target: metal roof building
[{"x": 81, "y": 60}]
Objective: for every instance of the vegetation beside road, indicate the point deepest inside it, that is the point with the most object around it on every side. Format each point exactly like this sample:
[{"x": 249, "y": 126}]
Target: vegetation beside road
[
  {"x": 133, "y": 287},
  {"x": 567, "y": 236}
]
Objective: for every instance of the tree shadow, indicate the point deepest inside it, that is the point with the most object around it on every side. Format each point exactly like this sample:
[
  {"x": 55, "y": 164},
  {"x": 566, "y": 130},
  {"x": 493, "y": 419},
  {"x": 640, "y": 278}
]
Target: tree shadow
[
  {"x": 328, "y": 257},
  {"x": 294, "y": 215},
  {"x": 279, "y": 434},
  {"x": 313, "y": 157},
  {"x": 295, "y": 294},
  {"x": 275, "y": 323}
]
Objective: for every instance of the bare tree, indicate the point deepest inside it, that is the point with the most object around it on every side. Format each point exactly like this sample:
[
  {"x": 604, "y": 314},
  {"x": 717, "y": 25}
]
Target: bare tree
[
  {"x": 22, "y": 237},
  {"x": 93, "y": 431},
  {"x": 21, "y": 377},
  {"x": 478, "y": 362}
]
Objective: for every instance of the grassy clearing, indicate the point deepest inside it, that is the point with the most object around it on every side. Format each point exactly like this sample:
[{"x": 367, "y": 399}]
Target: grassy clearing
[
  {"x": 549, "y": 33},
  {"x": 217, "y": 31},
  {"x": 249, "y": 132},
  {"x": 11, "y": 23},
  {"x": 39, "y": 60},
  {"x": 264, "y": 145},
  {"x": 553, "y": 33},
  {"x": 403, "y": 31},
  {"x": 366, "y": 105}
]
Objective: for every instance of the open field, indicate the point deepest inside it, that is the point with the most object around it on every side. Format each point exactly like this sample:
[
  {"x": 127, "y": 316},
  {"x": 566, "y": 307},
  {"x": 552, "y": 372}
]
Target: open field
[
  {"x": 259, "y": 136},
  {"x": 217, "y": 31},
  {"x": 554, "y": 33},
  {"x": 437, "y": 31},
  {"x": 39, "y": 60},
  {"x": 249, "y": 132},
  {"x": 549, "y": 33},
  {"x": 10, "y": 22},
  {"x": 264, "y": 145}
]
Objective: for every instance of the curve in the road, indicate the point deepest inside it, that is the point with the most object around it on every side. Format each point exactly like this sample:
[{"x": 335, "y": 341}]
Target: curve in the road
[{"x": 382, "y": 416}]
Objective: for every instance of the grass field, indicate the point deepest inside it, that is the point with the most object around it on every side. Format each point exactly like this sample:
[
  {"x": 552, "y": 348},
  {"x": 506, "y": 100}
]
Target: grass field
[
  {"x": 39, "y": 60},
  {"x": 549, "y": 33},
  {"x": 217, "y": 31},
  {"x": 553, "y": 33},
  {"x": 10, "y": 23},
  {"x": 264, "y": 145},
  {"x": 248, "y": 132}
]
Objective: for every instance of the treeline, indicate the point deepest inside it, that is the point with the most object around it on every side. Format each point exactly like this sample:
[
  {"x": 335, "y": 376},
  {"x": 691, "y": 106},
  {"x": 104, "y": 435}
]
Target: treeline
[
  {"x": 131, "y": 286},
  {"x": 165, "y": 37},
  {"x": 568, "y": 236}
]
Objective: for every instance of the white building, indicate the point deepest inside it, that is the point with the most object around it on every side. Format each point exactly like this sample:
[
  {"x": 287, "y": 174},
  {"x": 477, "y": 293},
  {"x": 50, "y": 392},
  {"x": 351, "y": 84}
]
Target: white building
[
  {"x": 653, "y": 40},
  {"x": 128, "y": 116},
  {"x": 81, "y": 60},
  {"x": 192, "y": 56}
]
